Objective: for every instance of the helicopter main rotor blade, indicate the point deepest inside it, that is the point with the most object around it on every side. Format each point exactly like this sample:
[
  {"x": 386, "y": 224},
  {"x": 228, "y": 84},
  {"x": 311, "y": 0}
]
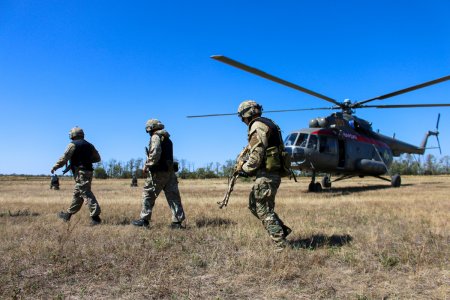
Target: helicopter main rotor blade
[
  {"x": 265, "y": 75},
  {"x": 437, "y": 123},
  {"x": 268, "y": 111},
  {"x": 406, "y": 90},
  {"x": 212, "y": 115},
  {"x": 404, "y": 105}
]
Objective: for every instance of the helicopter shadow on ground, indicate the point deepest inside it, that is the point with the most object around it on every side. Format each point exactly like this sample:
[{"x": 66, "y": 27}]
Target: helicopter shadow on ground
[
  {"x": 320, "y": 241},
  {"x": 338, "y": 191}
]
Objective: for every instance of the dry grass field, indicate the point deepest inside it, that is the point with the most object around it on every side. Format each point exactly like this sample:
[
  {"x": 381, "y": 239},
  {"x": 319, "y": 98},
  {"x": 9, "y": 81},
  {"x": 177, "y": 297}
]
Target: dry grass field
[{"x": 361, "y": 240}]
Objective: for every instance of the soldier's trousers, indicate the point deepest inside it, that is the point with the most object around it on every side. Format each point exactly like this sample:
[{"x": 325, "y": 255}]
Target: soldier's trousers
[
  {"x": 154, "y": 184},
  {"x": 262, "y": 204},
  {"x": 82, "y": 193}
]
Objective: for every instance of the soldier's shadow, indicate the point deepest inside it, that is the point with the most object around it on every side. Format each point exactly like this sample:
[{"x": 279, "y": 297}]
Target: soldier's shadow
[
  {"x": 213, "y": 222},
  {"x": 321, "y": 241}
]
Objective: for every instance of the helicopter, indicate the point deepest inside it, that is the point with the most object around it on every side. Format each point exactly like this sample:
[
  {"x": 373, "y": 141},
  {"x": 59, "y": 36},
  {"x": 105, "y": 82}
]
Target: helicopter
[{"x": 343, "y": 144}]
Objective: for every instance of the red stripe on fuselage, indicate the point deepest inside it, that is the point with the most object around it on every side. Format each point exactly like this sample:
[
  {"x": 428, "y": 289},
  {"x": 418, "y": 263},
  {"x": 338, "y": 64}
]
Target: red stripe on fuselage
[{"x": 352, "y": 136}]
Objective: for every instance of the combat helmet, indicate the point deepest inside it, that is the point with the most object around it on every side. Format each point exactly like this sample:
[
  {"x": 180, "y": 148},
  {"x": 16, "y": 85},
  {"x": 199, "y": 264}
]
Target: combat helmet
[
  {"x": 153, "y": 124},
  {"x": 76, "y": 133},
  {"x": 249, "y": 108}
]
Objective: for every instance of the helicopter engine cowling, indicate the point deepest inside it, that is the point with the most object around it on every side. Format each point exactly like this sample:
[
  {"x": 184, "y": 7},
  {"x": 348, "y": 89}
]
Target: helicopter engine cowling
[
  {"x": 318, "y": 123},
  {"x": 313, "y": 123},
  {"x": 372, "y": 167}
]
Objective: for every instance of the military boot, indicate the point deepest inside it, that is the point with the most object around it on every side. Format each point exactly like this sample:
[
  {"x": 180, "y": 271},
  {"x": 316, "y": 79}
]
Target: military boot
[
  {"x": 140, "y": 223},
  {"x": 286, "y": 230},
  {"x": 95, "y": 220},
  {"x": 64, "y": 215},
  {"x": 281, "y": 245}
]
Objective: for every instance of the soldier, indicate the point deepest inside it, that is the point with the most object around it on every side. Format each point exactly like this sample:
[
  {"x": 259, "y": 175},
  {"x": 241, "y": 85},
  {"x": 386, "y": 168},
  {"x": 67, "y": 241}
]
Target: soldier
[
  {"x": 264, "y": 137},
  {"x": 161, "y": 176},
  {"x": 80, "y": 154},
  {"x": 133, "y": 181},
  {"x": 54, "y": 182}
]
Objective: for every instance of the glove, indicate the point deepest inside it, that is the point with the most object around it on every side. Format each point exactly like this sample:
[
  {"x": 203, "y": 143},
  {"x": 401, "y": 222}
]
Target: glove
[{"x": 244, "y": 174}]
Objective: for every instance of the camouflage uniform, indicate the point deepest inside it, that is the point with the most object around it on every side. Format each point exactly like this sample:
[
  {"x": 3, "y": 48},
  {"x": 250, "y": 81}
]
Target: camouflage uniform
[
  {"x": 54, "y": 182},
  {"x": 261, "y": 133},
  {"x": 81, "y": 154},
  {"x": 161, "y": 177},
  {"x": 134, "y": 181}
]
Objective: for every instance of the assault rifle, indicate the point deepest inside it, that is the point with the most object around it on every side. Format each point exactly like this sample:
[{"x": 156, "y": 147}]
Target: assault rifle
[
  {"x": 146, "y": 158},
  {"x": 240, "y": 160},
  {"x": 67, "y": 169}
]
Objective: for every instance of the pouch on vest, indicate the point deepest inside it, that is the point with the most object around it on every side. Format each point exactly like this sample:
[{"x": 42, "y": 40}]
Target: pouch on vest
[
  {"x": 278, "y": 160},
  {"x": 286, "y": 164},
  {"x": 273, "y": 162}
]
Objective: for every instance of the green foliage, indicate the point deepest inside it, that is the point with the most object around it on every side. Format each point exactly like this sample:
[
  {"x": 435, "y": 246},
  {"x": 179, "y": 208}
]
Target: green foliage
[
  {"x": 100, "y": 172},
  {"x": 408, "y": 165}
]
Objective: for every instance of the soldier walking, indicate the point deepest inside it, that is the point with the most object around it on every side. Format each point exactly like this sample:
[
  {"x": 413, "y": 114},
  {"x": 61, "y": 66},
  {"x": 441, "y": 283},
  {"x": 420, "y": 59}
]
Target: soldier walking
[
  {"x": 134, "y": 181},
  {"x": 159, "y": 167},
  {"x": 264, "y": 142},
  {"x": 80, "y": 154},
  {"x": 54, "y": 182}
]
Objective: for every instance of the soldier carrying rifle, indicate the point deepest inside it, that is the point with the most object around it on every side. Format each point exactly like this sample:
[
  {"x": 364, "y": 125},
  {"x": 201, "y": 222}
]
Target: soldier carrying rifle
[{"x": 266, "y": 161}]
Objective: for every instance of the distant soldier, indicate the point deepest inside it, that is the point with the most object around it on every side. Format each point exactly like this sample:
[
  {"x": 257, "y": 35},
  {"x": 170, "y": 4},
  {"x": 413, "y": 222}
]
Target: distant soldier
[
  {"x": 54, "y": 182},
  {"x": 264, "y": 140},
  {"x": 133, "y": 181},
  {"x": 81, "y": 155},
  {"x": 161, "y": 176}
]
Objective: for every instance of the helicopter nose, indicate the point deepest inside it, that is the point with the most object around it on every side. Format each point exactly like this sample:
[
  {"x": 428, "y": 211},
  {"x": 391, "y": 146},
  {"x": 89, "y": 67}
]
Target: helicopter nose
[{"x": 296, "y": 153}]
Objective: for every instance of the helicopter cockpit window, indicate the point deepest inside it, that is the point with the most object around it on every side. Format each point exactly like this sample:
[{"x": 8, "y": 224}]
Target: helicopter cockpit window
[
  {"x": 301, "y": 141},
  {"x": 290, "y": 139},
  {"x": 312, "y": 143},
  {"x": 327, "y": 144}
]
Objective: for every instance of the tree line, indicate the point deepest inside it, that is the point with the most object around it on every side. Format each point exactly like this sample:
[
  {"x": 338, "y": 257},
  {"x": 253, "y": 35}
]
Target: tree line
[
  {"x": 406, "y": 164},
  {"x": 187, "y": 170}
]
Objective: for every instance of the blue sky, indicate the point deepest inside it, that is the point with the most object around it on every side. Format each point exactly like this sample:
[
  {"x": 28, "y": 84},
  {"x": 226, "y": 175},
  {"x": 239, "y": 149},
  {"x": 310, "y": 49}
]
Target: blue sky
[{"x": 108, "y": 66}]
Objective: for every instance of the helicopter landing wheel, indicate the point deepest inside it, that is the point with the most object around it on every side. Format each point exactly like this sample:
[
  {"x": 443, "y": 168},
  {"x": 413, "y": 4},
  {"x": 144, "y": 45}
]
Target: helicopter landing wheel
[
  {"x": 396, "y": 180},
  {"x": 326, "y": 182},
  {"x": 315, "y": 187}
]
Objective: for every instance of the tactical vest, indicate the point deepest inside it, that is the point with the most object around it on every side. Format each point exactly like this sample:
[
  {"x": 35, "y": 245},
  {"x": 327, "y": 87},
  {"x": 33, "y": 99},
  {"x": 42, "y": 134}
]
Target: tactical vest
[
  {"x": 274, "y": 131},
  {"x": 165, "y": 162},
  {"x": 276, "y": 159},
  {"x": 82, "y": 156}
]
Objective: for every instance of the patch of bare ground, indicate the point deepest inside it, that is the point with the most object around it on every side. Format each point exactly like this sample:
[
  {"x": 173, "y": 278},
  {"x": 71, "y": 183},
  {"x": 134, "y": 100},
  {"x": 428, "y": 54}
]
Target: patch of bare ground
[{"x": 359, "y": 240}]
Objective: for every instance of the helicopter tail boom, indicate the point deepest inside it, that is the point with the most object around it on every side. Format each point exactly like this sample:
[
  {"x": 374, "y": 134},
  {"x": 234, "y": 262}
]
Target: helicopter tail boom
[{"x": 398, "y": 147}]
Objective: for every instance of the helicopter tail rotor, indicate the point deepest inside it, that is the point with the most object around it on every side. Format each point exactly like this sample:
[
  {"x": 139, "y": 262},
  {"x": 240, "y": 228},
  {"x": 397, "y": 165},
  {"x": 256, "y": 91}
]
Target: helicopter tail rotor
[{"x": 437, "y": 133}]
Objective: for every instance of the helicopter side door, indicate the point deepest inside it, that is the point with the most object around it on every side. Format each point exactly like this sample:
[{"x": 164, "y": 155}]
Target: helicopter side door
[
  {"x": 341, "y": 153},
  {"x": 327, "y": 158}
]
